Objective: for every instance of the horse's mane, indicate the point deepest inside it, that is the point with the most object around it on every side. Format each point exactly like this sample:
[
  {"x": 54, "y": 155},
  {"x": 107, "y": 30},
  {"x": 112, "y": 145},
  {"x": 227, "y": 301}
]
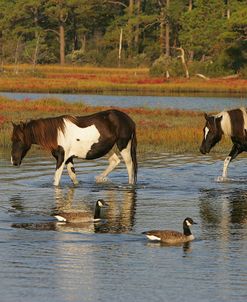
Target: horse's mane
[{"x": 44, "y": 131}]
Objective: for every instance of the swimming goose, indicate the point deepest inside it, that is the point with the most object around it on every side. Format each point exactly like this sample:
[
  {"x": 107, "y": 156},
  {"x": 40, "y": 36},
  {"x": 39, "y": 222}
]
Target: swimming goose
[
  {"x": 172, "y": 237},
  {"x": 82, "y": 216}
]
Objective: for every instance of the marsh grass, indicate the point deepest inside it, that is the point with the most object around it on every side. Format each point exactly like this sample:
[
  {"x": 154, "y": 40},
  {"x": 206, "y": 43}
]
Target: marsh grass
[
  {"x": 158, "y": 130},
  {"x": 75, "y": 79}
]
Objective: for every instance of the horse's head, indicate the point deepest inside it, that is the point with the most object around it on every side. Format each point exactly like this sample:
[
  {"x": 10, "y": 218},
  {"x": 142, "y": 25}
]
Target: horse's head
[
  {"x": 212, "y": 133},
  {"x": 20, "y": 143}
]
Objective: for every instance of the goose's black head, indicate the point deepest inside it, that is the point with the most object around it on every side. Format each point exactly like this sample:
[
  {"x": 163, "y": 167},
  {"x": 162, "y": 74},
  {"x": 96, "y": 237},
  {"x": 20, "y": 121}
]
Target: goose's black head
[
  {"x": 188, "y": 222},
  {"x": 101, "y": 203}
]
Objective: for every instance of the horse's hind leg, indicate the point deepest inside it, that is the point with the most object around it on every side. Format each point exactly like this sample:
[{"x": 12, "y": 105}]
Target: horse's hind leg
[
  {"x": 126, "y": 154},
  {"x": 113, "y": 162},
  {"x": 71, "y": 170}
]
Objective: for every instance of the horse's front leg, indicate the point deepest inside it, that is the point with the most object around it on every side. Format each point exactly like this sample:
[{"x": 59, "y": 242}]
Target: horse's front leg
[
  {"x": 236, "y": 149},
  {"x": 59, "y": 155},
  {"x": 71, "y": 170}
]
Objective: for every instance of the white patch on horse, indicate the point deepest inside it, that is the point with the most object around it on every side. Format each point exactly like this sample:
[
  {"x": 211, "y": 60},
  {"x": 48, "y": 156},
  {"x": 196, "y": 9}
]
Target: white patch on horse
[
  {"x": 77, "y": 141},
  {"x": 226, "y": 125},
  {"x": 206, "y": 132},
  {"x": 245, "y": 117}
]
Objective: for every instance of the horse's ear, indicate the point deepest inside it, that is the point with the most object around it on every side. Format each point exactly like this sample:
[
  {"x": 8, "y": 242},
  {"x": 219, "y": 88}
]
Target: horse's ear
[
  {"x": 22, "y": 125},
  {"x": 219, "y": 118},
  {"x": 13, "y": 124},
  {"x": 206, "y": 116}
]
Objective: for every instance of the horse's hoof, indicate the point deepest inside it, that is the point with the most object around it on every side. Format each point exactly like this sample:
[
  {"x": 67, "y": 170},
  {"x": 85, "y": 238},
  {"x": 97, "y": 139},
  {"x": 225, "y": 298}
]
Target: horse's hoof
[
  {"x": 101, "y": 179},
  {"x": 221, "y": 179}
]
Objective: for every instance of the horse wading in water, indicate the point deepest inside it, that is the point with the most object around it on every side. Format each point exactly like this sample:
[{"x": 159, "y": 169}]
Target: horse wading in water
[
  {"x": 232, "y": 123},
  {"x": 86, "y": 137}
]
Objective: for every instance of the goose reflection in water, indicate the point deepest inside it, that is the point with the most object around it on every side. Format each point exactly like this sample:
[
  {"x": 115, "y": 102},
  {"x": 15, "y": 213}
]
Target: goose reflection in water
[
  {"x": 186, "y": 246},
  {"x": 117, "y": 217}
]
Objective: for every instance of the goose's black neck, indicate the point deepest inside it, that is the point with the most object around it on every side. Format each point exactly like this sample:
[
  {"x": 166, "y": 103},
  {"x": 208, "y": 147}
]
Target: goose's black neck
[
  {"x": 97, "y": 212},
  {"x": 187, "y": 231}
]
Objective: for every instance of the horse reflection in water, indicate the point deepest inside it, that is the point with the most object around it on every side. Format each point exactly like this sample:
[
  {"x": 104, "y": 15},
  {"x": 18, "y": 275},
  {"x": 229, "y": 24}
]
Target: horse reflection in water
[
  {"x": 118, "y": 217},
  {"x": 120, "y": 212},
  {"x": 222, "y": 211}
]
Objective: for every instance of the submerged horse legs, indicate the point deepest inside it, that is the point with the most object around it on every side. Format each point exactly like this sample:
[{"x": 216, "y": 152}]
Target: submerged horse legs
[
  {"x": 58, "y": 153},
  {"x": 113, "y": 162},
  {"x": 225, "y": 167},
  {"x": 236, "y": 149},
  {"x": 71, "y": 170}
]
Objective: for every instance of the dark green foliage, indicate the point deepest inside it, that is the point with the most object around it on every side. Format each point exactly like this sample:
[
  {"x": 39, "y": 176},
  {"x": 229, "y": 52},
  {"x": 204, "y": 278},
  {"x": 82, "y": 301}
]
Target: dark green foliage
[{"x": 213, "y": 34}]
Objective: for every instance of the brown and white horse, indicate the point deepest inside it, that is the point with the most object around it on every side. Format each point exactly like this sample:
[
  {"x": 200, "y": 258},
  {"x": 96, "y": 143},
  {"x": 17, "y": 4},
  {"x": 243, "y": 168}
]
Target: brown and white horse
[
  {"x": 86, "y": 137},
  {"x": 231, "y": 123}
]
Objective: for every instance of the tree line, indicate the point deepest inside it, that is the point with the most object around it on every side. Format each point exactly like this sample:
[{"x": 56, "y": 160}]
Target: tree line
[{"x": 171, "y": 36}]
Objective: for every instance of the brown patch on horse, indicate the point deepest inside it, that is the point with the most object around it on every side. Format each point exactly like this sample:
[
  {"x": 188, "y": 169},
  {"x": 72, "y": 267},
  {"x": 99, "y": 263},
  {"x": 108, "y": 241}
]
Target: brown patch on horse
[
  {"x": 237, "y": 123},
  {"x": 42, "y": 131}
]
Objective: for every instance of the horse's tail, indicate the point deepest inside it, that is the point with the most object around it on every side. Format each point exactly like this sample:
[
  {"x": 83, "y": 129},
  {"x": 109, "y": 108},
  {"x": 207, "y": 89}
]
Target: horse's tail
[{"x": 133, "y": 153}]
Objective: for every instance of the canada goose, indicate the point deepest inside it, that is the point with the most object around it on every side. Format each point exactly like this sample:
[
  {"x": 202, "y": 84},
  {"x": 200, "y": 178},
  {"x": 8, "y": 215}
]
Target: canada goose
[
  {"x": 172, "y": 237},
  {"x": 81, "y": 216}
]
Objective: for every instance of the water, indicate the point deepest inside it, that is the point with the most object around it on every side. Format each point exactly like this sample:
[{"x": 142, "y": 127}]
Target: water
[
  {"x": 179, "y": 102},
  {"x": 111, "y": 261}
]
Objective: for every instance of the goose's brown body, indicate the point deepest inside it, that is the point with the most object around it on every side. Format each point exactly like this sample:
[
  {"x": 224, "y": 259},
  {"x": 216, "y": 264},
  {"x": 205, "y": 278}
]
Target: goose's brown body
[
  {"x": 170, "y": 236},
  {"x": 81, "y": 216}
]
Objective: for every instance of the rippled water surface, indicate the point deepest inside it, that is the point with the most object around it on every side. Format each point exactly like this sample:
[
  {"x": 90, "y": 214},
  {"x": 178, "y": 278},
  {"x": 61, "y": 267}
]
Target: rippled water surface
[{"x": 42, "y": 260}]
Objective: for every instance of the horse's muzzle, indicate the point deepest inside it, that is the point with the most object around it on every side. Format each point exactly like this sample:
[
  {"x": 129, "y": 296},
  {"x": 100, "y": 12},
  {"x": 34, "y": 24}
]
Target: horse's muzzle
[
  {"x": 15, "y": 162},
  {"x": 203, "y": 150}
]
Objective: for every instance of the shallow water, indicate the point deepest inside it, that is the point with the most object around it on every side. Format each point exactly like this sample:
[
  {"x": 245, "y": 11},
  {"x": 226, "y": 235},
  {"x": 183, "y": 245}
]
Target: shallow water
[
  {"x": 197, "y": 102},
  {"x": 111, "y": 261}
]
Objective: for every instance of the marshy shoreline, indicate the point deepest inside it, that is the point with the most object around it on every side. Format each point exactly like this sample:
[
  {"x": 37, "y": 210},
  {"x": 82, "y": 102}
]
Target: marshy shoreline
[
  {"x": 76, "y": 79},
  {"x": 158, "y": 130}
]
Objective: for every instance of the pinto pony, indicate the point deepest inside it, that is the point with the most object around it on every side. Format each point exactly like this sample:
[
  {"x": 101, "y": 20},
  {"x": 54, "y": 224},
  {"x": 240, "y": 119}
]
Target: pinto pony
[
  {"x": 86, "y": 137},
  {"x": 232, "y": 123}
]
